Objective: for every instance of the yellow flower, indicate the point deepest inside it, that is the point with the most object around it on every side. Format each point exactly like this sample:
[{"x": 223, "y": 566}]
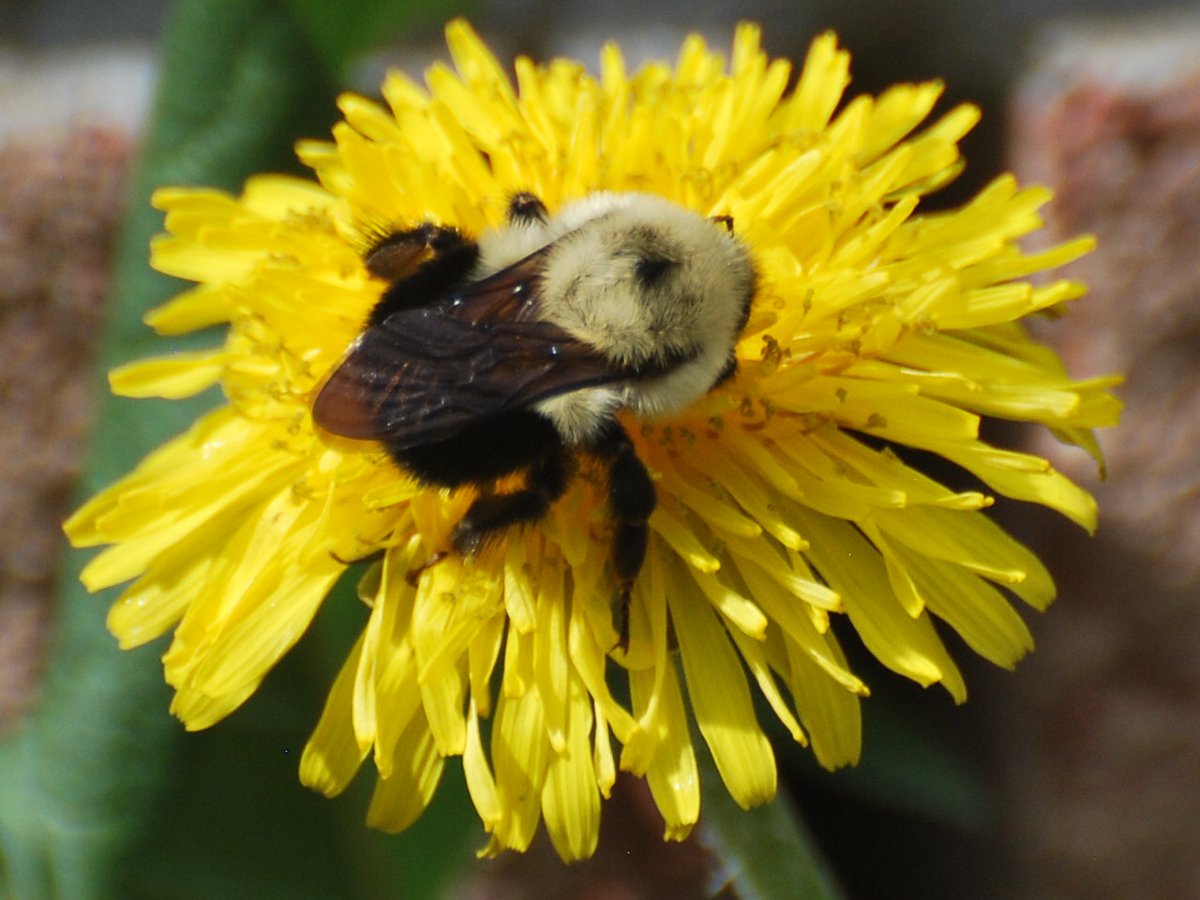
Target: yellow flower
[{"x": 775, "y": 515}]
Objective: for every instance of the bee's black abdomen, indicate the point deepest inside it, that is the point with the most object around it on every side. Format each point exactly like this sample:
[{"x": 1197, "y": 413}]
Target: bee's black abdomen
[
  {"x": 509, "y": 444},
  {"x": 483, "y": 452}
]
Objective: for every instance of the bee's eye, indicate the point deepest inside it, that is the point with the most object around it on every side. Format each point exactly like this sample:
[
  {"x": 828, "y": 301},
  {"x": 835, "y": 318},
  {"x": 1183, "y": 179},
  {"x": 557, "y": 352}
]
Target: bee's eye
[{"x": 650, "y": 269}]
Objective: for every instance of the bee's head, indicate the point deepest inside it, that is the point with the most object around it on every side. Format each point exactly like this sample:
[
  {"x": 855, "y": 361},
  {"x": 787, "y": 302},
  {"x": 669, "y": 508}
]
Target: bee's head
[{"x": 647, "y": 282}]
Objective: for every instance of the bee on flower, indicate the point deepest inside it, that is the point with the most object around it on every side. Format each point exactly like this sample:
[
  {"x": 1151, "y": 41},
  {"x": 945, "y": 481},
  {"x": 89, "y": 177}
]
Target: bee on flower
[{"x": 605, "y": 380}]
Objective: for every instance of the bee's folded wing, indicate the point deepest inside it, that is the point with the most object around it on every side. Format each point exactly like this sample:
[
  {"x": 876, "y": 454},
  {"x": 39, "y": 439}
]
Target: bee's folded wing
[{"x": 424, "y": 374}]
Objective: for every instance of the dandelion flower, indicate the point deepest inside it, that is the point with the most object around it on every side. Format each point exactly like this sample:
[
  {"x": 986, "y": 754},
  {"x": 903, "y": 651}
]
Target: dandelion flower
[{"x": 784, "y": 498}]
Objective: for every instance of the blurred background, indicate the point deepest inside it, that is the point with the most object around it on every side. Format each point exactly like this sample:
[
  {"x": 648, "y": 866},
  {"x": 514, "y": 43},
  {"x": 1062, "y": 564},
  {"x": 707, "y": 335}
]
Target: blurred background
[
  {"x": 980, "y": 49},
  {"x": 1074, "y": 777}
]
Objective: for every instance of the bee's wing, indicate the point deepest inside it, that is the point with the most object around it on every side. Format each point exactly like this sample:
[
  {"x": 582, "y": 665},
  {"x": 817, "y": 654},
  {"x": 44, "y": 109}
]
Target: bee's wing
[{"x": 423, "y": 374}]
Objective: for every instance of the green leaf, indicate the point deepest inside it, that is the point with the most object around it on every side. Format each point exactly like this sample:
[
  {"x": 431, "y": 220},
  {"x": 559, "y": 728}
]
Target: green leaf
[
  {"x": 78, "y": 781},
  {"x": 766, "y": 852},
  {"x": 234, "y": 821},
  {"x": 339, "y": 36}
]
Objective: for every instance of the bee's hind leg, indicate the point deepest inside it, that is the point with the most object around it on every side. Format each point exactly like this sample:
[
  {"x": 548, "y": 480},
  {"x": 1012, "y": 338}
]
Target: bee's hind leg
[
  {"x": 632, "y": 495},
  {"x": 492, "y": 513}
]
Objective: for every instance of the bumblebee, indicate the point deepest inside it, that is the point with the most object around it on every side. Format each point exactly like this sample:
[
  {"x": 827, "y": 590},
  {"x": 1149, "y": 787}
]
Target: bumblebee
[{"x": 513, "y": 353}]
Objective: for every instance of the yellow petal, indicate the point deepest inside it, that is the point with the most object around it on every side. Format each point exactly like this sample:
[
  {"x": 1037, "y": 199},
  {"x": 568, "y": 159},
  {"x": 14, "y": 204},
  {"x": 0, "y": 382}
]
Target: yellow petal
[
  {"x": 721, "y": 700},
  {"x": 829, "y": 712},
  {"x": 902, "y": 643},
  {"x": 819, "y": 89},
  {"x": 1025, "y": 477},
  {"x": 973, "y": 608},
  {"x": 387, "y": 694},
  {"x": 976, "y": 543},
  {"x": 571, "y": 796},
  {"x": 332, "y": 756},
  {"x": 480, "y": 783},
  {"x": 401, "y": 798},
  {"x": 602, "y": 754},
  {"x": 520, "y": 756},
  {"x": 755, "y": 657},
  {"x": 683, "y": 540},
  {"x": 671, "y": 773},
  {"x": 550, "y": 659},
  {"x": 172, "y": 377}
]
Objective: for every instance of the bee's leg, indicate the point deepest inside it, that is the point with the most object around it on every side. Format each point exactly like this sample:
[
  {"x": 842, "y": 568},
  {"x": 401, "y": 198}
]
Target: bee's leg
[
  {"x": 526, "y": 209},
  {"x": 631, "y": 493},
  {"x": 373, "y": 556},
  {"x": 547, "y": 481},
  {"x": 395, "y": 254}
]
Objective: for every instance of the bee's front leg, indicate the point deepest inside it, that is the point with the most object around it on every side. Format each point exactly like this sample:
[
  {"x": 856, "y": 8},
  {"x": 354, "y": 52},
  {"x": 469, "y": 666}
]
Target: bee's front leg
[
  {"x": 422, "y": 264},
  {"x": 396, "y": 254}
]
